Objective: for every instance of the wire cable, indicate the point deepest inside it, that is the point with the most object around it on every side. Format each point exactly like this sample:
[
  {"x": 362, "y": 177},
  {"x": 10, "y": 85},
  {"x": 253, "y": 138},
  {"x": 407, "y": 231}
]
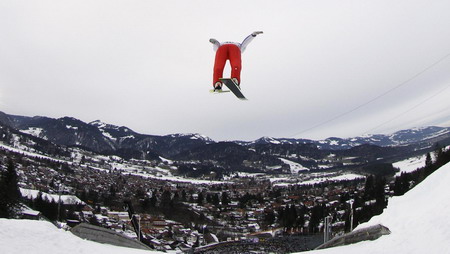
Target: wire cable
[
  {"x": 373, "y": 99},
  {"x": 411, "y": 109}
]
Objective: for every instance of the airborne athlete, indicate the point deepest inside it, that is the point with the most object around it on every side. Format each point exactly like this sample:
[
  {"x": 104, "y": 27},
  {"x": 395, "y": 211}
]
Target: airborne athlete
[{"x": 229, "y": 51}]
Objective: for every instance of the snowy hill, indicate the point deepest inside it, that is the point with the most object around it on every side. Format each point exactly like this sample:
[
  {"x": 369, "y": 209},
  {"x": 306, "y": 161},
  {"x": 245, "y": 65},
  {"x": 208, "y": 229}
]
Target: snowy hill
[
  {"x": 40, "y": 237},
  {"x": 418, "y": 221}
]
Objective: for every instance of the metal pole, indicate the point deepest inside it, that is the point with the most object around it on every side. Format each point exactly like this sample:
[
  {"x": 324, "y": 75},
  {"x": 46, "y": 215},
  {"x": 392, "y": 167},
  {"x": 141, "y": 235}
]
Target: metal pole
[
  {"x": 327, "y": 229},
  {"x": 59, "y": 202},
  {"x": 138, "y": 226},
  {"x": 204, "y": 240},
  {"x": 351, "y": 215}
]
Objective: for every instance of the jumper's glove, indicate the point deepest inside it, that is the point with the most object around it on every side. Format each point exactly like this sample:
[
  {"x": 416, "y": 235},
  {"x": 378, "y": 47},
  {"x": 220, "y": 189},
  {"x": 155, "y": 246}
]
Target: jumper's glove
[
  {"x": 213, "y": 41},
  {"x": 254, "y": 34}
]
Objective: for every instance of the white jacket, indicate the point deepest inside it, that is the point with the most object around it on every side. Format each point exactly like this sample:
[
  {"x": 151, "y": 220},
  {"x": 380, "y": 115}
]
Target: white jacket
[{"x": 242, "y": 45}]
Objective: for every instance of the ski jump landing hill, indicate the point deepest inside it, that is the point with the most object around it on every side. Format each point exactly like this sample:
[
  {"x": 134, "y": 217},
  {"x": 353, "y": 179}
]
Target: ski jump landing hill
[
  {"x": 419, "y": 221},
  {"x": 103, "y": 235}
]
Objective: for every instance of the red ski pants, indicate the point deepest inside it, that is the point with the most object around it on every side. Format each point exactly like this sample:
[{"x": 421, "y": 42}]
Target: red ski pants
[{"x": 227, "y": 52}]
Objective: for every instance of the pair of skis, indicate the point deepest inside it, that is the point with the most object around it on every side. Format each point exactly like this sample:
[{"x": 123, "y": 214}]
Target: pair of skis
[{"x": 234, "y": 88}]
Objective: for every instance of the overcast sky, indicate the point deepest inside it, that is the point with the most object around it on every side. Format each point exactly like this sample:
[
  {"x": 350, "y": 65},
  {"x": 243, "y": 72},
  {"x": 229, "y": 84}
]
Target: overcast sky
[{"x": 321, "y": 68}]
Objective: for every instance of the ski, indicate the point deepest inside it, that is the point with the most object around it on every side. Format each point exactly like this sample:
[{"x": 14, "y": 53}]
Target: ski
[{"x": 233, "y": 88}]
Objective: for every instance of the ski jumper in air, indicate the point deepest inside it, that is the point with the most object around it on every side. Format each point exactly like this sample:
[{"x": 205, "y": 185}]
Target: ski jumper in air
[{"x": 229, "y": 51}]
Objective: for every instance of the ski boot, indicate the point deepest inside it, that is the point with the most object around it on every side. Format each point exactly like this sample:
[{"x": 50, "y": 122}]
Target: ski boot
[{"x": 218, "y": 87}]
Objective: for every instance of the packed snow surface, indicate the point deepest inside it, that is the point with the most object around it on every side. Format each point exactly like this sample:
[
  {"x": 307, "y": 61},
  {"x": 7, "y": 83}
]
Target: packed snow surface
[
  {"x": 410, "y": 164},
  {"x": 418, "y": 220},
  {"x": 40, "y": 237}
]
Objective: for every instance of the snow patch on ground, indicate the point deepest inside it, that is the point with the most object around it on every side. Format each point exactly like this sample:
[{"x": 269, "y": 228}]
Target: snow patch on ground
[
  {"x": 71, "y": 127},
  {"x": 22, "y": 150},
  {"x": 344, "y": 177},
  {"x": 410, "y": 164},
  {"x": 108, "y": 135},
  {"x": 315, "y": 178},
  {"x": 34, "y": 131},
  {"x": 65, "y": 199},
  {"x": 295, "y": 167},
  {"x": 170, "y": 162}
]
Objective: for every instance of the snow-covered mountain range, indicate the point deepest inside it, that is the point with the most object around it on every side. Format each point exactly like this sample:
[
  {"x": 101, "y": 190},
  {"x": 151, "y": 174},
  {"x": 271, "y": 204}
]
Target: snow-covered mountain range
[
  {"x": 102, "y": 136},
  {"x": 400, "y": 138},
  {"x": 52, "y": 136}
]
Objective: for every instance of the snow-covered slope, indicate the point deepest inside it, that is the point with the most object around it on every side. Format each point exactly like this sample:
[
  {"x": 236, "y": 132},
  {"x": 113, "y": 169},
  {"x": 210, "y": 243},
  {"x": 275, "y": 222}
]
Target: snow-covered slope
[
  {"x": 40, "y": 237},
  {"x": 65, "y": 199},
  {"x": 419, "y": 221},
  {"x": 410, "y": 164},
  {"x": 295, "y": 167}
]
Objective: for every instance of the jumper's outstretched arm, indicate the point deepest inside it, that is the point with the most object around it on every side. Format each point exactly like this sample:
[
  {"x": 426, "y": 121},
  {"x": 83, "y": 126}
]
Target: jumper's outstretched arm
[{"x": 248, "y": 39}]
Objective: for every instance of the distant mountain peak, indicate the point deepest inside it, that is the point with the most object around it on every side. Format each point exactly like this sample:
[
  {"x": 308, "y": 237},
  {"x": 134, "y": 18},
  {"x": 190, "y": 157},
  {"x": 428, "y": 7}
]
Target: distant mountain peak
[
  {"x": 69, "y": 118},
  {"x": 99, "y": 124},
  {"x": 106, "y": 126},
  {"x": 192, "y": 136},
  {"x": 402, "y": 137},
  {"x": 270, "y": 140}
]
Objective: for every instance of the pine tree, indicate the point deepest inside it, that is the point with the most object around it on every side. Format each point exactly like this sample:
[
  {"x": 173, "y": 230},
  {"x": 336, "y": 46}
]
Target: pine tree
[
  {"x": 200, "y": 199},
  {"x": 438, "y": 151},
  {"x": 269, "y": 217},
  {"x": 208, "y": 198},
  {"x": 166, "y": 198},
  {"x": 428, "y": 160},
  {"x": 347, "y": 224},
  {"x": 291, "y": 216},
  {"x": 282, "y": 217},
  {"x": 145, "y": 204},
  {"x": 369, "y": 187},
  {"x": 317, "y": 214},
  {"x": 225, "y": 199},
  {"x": 379, "y": 195},
  {"x": 215, "y": 199},
  {"x": 153, "y": 200},
  {"x": 176, "y": 199},
  {"x": 301, "y": 217},
  {"x": 401, "y": 184},
  {"x": 9, "y": 192}
]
